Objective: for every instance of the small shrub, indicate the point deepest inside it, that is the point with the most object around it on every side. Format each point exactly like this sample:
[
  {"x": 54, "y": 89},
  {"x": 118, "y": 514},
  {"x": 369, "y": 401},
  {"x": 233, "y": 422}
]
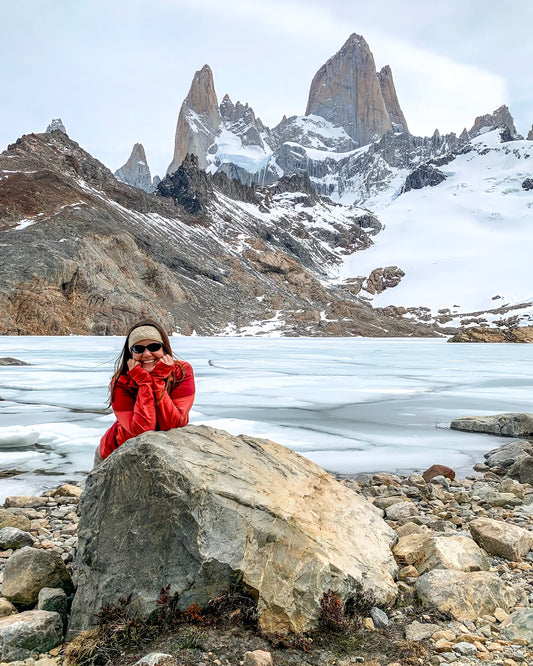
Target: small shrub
[{"x": 332, "y": 615}]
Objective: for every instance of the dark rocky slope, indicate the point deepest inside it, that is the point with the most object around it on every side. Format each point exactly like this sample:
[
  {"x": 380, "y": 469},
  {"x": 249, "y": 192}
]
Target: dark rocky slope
[{"x": 82, "y": 253}]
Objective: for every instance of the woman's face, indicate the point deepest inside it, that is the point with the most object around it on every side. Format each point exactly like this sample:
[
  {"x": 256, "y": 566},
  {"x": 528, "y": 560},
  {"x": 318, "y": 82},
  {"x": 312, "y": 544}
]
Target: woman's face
[{"x": 148, "y": 359}]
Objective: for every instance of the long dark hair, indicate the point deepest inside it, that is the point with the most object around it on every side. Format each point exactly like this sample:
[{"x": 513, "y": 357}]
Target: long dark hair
[{"x": 121, "y": 364}]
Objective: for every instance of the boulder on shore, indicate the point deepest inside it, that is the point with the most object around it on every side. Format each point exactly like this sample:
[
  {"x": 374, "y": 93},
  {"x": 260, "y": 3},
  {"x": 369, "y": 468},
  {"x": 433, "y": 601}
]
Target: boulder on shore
[
  {"x": 24, "y": 634},
  {"x": 198, "y": 509},
  {"x": 504, "y": 425}
]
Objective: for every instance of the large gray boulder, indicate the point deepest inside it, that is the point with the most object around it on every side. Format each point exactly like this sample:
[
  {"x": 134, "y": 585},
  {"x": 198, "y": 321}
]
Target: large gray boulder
[
  {"x": 505, "y": 456},
  {"x": 504, "y": 425},
  {"x": 28, "y": 570},
  {"x": 24, "y": 634},
  {"x": 197, "y": 508}
]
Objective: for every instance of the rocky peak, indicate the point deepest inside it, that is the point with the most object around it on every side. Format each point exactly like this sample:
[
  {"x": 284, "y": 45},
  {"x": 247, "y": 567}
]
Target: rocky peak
[
  {"x": 346, "y": 91},
  {"x": 136, "y": 171},
  {"x": 530, "y": 134},
  {"x": 388, "y": 90},
  {"x": 198, "y": 120},
  {"x": 56, "y": 124},
  {"x": 501, "y": 117}
]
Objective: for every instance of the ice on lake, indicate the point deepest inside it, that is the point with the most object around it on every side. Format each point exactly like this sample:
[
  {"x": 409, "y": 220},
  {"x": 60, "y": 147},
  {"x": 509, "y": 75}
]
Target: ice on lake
[{"x": 350, "y": 404}]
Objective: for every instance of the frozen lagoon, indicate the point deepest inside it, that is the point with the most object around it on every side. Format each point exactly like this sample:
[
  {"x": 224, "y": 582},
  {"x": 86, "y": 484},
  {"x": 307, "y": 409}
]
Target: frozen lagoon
[{"x": 350, "y": 404}]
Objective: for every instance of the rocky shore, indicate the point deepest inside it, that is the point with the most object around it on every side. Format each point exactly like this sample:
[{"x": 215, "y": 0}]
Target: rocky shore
[{"x": 465, "y": 581}]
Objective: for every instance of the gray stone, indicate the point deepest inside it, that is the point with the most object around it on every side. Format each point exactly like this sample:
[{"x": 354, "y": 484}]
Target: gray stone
[
  {"x": 522, "y": 470},
  {"x": 28, "y": 570},
  {"x": 12, "y": 537},
  {"x": 505, "y": 456},
  {"x": 379, "y": 617},
  {"x": 465, "y": 649},
  {"x": 196, "y": 507},
  {"x": 418, "y": 631},
  {"x": 53, "y": 599},
  {"x": 466, "y": 596},
  {"x": 504, "y": 425},
  {"x": 29, "y": 632},
  {"x": 9, "y": 360},
  {"x": 24, "y": 501},
  {"x": 401, "y": 510},
  {"x": 519, "y": 625}
]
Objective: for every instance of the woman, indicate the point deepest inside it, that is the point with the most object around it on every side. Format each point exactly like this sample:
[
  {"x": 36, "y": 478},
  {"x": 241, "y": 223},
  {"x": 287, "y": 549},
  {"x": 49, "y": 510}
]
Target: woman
[{"x": 150, "y": 390}]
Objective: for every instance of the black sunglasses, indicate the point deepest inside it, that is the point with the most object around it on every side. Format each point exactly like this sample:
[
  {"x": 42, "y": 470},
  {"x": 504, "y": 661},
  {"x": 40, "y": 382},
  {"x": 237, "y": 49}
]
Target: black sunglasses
[{"x": 152, "y": 347}]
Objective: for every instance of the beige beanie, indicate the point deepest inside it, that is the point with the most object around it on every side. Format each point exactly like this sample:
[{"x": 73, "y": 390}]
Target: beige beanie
[{"x": 144, "y": 333}]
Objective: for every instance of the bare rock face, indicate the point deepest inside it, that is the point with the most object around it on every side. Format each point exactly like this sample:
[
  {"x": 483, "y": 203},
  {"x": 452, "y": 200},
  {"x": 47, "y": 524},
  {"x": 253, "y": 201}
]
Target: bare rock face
[
  {"x": 423, "y": 176},
  {"x": 501, "y": 117},
  {"x": 347, "y": 92},
  {"x": 56, "y": 124},
  {"x": 136, "y": 171},
  {"x": 198, "y": 508},
  {"x": 479, "y": 334},
  {"x": 198, "y": 120},
  {"x": 530, "y": 134},
  {"x": 390, "y": 98},
  {"x": 383, "y": 278},
  {"x": 503, "y": 425}
]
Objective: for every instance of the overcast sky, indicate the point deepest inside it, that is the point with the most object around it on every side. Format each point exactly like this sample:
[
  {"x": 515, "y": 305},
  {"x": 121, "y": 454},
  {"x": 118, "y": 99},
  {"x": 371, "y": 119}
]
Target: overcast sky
[{"x": 117, "y": 71}]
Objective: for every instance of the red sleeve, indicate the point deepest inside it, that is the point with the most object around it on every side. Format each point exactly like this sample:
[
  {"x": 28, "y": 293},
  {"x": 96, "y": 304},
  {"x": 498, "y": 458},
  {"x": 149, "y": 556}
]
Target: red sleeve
[
  {"x": 172, "y": 411},
  {"x": 135, "y": 414}
]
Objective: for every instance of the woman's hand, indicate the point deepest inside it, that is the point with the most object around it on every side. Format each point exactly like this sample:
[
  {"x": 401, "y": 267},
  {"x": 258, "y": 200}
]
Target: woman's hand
[
  {"x": 132, "y": 364},
  {"x": 167, "y": 359}
]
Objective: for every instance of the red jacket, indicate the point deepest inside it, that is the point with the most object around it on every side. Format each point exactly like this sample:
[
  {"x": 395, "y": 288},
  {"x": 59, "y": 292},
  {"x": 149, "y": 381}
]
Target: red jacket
[{"x": 141, "y": 403}]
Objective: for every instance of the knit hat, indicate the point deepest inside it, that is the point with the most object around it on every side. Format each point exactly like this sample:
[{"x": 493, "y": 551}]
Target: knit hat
[{"x": 144, "y": 333}]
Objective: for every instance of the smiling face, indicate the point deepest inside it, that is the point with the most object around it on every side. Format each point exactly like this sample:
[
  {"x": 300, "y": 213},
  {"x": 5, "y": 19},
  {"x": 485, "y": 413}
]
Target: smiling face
[{"x": 148, "y": 359}]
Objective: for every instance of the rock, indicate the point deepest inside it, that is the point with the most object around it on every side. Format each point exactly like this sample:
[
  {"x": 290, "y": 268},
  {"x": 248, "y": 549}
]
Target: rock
[
  {"x": 28, "y": 570},
  {"x": 501, "y": 117},
  {"x": 423, "y": 176},
  {"x": 401, "y": 510},
  {"x": 390, "y": 98},
  {"x": 518, "y": 625},
  {"x": 257, "y": 658},
  {"x": 156, "y": 659},
  {"x": 451, "y": 552},
  {"x": 466, "y": 596},
  {"x": 195, "y": 136},
  {"x": 522, "y": 470},
  {"x": 12, "y": 537},
  {"x": 29, "y": 632},
  {"x": 503, "y": 425},
  {"x": 53, "y": 599},
  {"x": 498, "y": 538},
  {"x": 523, "y": 334},
  {"x": 24, "y": 501},
  {"x": 6, "y": 608},
  {"x": 409, "y": 548},
  {"x": 506, "y": 455},
  {"x": 346, "y": 92},
  {"x": 56, "y": 124},
  {"x": 277, "y": 520},
  {"x": 417, "y": 631},
  {"x": 10, "y": 519},
  {"x": 379, "y": 617},
  {"x": 438, "y": 470},
  {"x": 67, "y": 490},
  {"x": 136, "y": 171},
  {"x": 9, "y": 360},
  {"x": 465, "y": 649},
  {"x": 527, "y": 184},
  {"x": 383, "y": 278}
]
